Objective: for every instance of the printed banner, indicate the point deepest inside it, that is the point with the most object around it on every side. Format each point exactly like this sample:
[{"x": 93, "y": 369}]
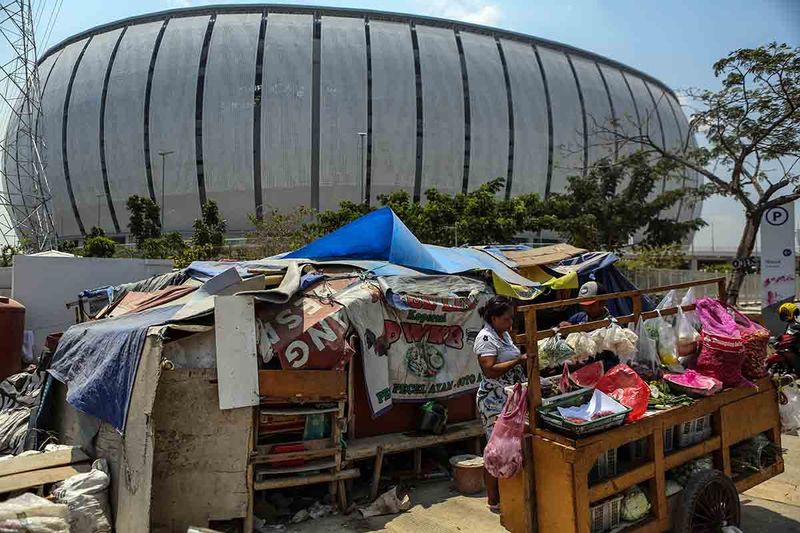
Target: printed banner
[
  {"x": 778, "y": 282},
  {"x": 415, "y": 347}
]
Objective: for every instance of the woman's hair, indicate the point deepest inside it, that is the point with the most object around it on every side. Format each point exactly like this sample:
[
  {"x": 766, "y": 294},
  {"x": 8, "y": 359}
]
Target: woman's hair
[{"x": 496, "y": 306}]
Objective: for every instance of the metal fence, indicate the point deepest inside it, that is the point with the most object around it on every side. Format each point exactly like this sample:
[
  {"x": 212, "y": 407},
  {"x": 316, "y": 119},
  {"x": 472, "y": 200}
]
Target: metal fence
[{"x": 656, "y": 277}]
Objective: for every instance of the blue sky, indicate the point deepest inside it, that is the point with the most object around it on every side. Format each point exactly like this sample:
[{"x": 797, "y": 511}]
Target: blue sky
[{"x": 676, "y": 41}]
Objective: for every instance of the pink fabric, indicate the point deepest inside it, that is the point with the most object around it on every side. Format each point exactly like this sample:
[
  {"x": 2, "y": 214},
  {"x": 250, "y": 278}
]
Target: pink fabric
[
  {"x": 503, "y": 454},
  {"x": 625, "y": 386},
  {"x": 721, "y": 358}
]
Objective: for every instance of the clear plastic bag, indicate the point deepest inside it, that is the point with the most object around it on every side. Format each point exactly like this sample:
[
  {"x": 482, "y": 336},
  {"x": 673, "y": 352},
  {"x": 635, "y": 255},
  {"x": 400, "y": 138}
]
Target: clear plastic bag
[
  {"x": 645, "y": 362},
  {"x": 620, "y": 341},
  {"x": 688, "y": 336},
  {"x": 789, "y": 406},
  {"x": 667, "y": 343},
  {"x": 554, "y": 351},
  {"x": 688, "y": 299}
]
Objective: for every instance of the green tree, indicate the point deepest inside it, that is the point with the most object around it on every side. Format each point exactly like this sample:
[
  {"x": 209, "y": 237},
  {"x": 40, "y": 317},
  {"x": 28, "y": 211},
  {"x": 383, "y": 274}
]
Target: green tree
[
  {"x": 167, "y": 246},
  {"x": 96, "y": 232},
  {"x": 616, "y": 201},
  {"x": 752, "y": 128},
  {"x": 209, "y": 229},
  {"x": 144, "y": 219},
  {"x": 7, "y": 254},
  {"x": 99, "y": 246},
  {"x": 279, "y": 232}
]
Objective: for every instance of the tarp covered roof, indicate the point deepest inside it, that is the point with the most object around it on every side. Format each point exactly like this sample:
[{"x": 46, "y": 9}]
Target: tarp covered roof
[
  {"x": 524, "y": 256},
  {"x": 382, "y": 236}
]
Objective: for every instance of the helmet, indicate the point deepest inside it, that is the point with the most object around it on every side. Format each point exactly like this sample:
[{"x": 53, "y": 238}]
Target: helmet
[{"x": 788, "y": 311}]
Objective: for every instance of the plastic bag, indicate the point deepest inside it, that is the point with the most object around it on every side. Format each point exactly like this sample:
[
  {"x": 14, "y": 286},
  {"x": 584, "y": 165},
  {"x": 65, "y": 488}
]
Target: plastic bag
[
  {"x": 789, "y": 406},
  {"x": 667, "y": 301},
  {"x": 554, "y": 351},
  {"x": 86, "y": 496},
  {"x": 645, "y": 362},
  {"x": 621, "y": 341},
  {"x": 502, "y": 456},
  {"x": 33, "y": 514},
  {"x": 688, "y": 336},
  {"x": 583, "y": 344},
  {"x": 625, "y": 386},
  {"x": 688, "y": 299},
  {"x": 667, "y": 343},
  {"x": 755, "y": 339},
  {"x": 721, "y": 349}
]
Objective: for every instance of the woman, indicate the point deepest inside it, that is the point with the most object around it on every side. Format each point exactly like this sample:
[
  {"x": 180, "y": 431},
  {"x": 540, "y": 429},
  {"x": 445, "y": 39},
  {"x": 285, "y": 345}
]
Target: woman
[{"x": 502, "y": 365}]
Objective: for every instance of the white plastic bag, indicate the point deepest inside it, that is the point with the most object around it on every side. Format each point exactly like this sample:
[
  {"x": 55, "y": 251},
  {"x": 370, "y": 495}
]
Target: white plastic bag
[
  {"x": 620, "y": 341},
  {"x": 790, "y": 411},
  {"x": 667, "y": 301},
  {"x": 583, "y": 345},
  {"x": 86, "y": 496},
  {"x": 33, "y": 514},
  {"x": 688, "y": 299}
]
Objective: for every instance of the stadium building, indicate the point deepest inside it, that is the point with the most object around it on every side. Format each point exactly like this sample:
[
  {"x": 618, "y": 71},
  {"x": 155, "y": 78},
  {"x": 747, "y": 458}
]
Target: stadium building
[{"x": 265, "y": 106}]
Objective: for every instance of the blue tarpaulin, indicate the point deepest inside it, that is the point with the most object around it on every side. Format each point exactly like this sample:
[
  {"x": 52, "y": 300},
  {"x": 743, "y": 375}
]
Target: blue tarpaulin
[
  {"x": 98, "y": 361},
  {"x": 382, "y": 236},
  {"x": 599, "y": 266}
]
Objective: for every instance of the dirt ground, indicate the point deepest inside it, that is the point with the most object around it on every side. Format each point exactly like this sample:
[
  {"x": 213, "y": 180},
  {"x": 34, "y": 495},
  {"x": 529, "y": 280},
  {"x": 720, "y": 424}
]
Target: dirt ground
[{"x": 771, "y": 506}]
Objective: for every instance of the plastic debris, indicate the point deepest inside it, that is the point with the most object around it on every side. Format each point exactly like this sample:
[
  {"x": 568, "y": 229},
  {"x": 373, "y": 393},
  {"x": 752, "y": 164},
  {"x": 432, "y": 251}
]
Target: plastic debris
[{"x": 387, "y": 503}]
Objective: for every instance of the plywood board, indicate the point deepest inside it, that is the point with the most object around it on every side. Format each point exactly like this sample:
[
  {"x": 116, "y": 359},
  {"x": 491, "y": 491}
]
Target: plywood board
[
  {"x": 201, "y": 453},
  {"x": 27, "y": 480},
  {"x": 303, "y": 385},
  {"x": 237, "y": 360},
  {"x": 38, "y": 461}
]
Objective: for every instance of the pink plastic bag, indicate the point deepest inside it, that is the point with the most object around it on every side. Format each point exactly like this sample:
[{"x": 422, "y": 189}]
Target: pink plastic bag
[
  {"x": 715, "y": 318},
  {"x": 503, "y": 454},
  {"x": 625, "y": 386}
]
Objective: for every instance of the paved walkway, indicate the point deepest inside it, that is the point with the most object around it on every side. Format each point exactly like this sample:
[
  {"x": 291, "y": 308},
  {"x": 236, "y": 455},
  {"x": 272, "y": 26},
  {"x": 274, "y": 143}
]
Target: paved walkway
[{"x": 771, "y": 506}]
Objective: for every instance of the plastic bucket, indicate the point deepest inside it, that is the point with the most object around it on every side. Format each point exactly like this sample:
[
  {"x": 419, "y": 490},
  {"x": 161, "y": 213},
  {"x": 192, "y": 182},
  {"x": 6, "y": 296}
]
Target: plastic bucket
[{"x": 467, "y": 473}]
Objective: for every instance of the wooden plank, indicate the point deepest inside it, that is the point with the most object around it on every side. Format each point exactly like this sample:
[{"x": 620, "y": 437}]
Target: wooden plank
[
  {"x": 657, "y": 485},
  {"x": 251, "y": 442},
  {"x": 294, "y": 411},
  {"x": 26, "y": 480},
  {"x": 692, "y": 452},
  {"x": 532, "y": 353},
  {"x": 299, "y": 481},
  {"x": 303, "y": 385},
  {"x": 403, "y": 442},
  {"x": 351, "y": 396},
  {"x": 513, "y": 503},
  {"x": 601, "y": 491},
  {"x": 555, "y": 501},
  {"x": 749, "y": 417},
  {"x": 290, "y": 456},
  {"x": 759, "y": 477},
  {"x": 623, "y": 294},
  {"x": 307, "y": 467},
  {"x": 417, "y": 463},
  {"x": 38, "y": 461},
  {"x": 376, "y": 475},
  {"x": 237, "y": 361}
]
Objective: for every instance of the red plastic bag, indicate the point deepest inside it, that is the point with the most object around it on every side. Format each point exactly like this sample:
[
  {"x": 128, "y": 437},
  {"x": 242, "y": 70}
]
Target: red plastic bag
[
  {"x": 625, "y": 386},
  {"x": 503, "y": 454},
  {"x": 755, "y": 339}
]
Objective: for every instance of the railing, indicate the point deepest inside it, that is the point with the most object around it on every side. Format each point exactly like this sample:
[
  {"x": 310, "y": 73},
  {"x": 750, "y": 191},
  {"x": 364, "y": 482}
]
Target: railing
[{"x": 658, "y": 277}]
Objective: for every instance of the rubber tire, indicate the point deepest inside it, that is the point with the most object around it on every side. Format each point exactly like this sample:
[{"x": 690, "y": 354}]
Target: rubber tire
[{"x": 692, "y": 491}]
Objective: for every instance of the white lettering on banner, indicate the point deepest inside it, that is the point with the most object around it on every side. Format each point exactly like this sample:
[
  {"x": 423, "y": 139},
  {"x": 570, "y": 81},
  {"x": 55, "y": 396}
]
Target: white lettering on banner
[
  {"x": 272, "y": 335},
  {"x": 288, "y": 318},
  {"x": 297, "y": 353},
  {"x": 325, "y": 333}
]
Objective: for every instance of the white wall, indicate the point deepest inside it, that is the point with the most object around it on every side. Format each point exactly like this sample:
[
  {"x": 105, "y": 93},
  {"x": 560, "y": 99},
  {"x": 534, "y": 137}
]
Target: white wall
[{"x": 44, "y": 285}]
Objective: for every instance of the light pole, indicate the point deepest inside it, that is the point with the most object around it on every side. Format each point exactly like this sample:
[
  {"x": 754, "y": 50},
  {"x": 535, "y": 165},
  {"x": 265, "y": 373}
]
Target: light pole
[
  {"x": 362, "y": 137},
  {"x": 163, "y": 165},
  {"x": 98, "y": 208}
]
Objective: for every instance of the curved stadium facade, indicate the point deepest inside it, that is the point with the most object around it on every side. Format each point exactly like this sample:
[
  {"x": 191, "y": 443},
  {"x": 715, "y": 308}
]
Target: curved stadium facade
[{"x": 267, "y": 107}]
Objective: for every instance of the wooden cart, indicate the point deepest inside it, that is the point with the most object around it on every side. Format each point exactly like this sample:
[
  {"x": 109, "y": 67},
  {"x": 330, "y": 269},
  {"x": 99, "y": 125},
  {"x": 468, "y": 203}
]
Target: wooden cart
[{"x": 553, "y": 493}]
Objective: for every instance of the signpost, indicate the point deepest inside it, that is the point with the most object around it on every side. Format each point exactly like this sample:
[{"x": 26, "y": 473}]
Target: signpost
[{"x": 778, "y": 283}]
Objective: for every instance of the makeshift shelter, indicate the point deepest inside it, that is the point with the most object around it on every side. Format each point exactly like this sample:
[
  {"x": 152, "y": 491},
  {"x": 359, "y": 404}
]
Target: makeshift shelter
[{"x": 200, "y": 396}]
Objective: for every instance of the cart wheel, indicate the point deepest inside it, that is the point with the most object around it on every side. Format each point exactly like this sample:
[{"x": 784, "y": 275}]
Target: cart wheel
[{"x": 709, "y": 503}]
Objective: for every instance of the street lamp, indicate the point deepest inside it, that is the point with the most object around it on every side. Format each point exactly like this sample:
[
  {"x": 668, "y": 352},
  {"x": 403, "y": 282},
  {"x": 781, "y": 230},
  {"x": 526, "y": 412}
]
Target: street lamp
[
  {"x": 362, "y": 137},
  {"x": 163, "y": 164}
]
